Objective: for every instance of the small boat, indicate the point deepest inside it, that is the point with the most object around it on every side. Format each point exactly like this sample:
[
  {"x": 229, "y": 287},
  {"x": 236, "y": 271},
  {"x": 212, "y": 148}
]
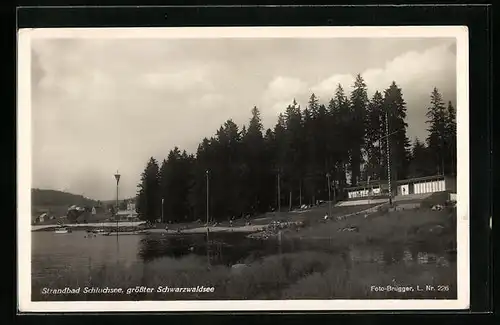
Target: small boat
[
  {"x": 100, "y": 231},
  {"x": 62, "y": 230}
]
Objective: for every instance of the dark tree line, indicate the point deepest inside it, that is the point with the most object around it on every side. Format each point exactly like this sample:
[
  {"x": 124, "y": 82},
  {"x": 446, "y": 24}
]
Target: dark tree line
[{"x": 345, "y": 137}]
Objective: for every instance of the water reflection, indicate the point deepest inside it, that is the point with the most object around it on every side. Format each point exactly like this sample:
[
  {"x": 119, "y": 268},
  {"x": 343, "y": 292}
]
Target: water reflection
[
  {"x": 230, "y": 249},
  {"x": 225, "y": 249},
  {"x": 53, "y": 253}
]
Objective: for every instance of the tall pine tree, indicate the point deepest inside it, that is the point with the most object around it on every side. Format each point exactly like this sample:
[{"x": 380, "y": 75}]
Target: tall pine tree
[
  {"x": 375, "y": 132},
  {"x": 311, "y": 149},
  {"x": 342, "y": 115},
  {"x": 293, "y": 162},
  {"x": 436, "y": 141},
  {"x": 255, "y": 164},
  {"x": 359, "y": 103},
  {"x": 148, "y": 197},
  {"x": 420, "y": 165},
  {"x": 399, "y": 144},
  {"x": 451, "y": 139}
]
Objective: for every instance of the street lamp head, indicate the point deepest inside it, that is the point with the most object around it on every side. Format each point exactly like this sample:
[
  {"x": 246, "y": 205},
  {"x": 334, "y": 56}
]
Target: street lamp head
[{"x": 117, "y": 177}]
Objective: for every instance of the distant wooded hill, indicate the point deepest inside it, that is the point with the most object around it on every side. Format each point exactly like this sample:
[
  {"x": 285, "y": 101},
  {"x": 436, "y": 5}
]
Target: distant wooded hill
[
  {"x": 41, "y": 197},
  {"x": 55, "y": 205}
]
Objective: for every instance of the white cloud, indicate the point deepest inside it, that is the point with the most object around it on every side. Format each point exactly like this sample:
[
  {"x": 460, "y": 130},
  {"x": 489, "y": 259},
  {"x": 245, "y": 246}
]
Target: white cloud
[
  {"x": 280, "y": 93},
  {"x": 415, "y": 70},
  {"x": 417, "y": 73},
  {"x": 285, "y": 88},
  {"x": 182, "y": 80},
  {"x": 326, "y": 88},
  {"x": 207, "y": 101}
]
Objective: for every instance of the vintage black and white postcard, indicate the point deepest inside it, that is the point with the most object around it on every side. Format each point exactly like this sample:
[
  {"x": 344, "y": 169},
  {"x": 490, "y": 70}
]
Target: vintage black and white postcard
[{"x": 221, "y": 169}]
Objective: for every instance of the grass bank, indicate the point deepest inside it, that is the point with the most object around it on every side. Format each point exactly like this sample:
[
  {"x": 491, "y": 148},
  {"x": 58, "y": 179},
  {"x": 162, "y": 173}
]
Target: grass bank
[{"x": 385, "y": 228}]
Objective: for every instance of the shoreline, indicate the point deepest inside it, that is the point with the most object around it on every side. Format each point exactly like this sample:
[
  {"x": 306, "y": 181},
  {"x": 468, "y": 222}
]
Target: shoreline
[
  {"x": 87, "y": 225},
  {"x": 128, "y": 228},
  {"x": 203, "y": 230}
]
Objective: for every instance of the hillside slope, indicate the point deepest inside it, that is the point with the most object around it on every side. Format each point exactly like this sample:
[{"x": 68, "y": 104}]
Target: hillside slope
[
  {"x": 56, "y": 204},
  {"x": 41, "y": 197}
]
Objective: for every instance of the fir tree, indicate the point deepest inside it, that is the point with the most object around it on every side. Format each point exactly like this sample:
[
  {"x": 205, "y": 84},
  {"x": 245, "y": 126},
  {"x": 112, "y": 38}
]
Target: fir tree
[
  {"x": 359, "y": 103},
  {"x": 399, "y": 144},
  {"x": 451, "y": 139},
  {"x": 308, "y": 183},
  {"x": 293, "y": 169},
  {"x": 342, "y": 116},
  {"x": 148, "y": 198},
  {"x": 436, "y": 141},
  {"x": 375, "y": 132},
  {"x": 419, "y": 166},
  {"x": 254, "y": 164}
]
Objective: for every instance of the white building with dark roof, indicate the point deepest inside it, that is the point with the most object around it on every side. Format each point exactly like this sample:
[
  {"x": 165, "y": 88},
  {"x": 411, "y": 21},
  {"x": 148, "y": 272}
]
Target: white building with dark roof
[{"x": 421, "y": 185}]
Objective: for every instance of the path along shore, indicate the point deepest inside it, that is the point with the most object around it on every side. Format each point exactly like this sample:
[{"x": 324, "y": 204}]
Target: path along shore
[
  {"x": 202, "y": 230},
  {"x": 198, "y": 230},
  {"x": 89, "y": 225}
]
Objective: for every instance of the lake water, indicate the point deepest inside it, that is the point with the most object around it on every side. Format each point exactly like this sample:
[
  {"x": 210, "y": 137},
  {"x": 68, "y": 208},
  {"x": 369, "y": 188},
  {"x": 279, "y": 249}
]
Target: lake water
[{"x": 53, "y": 253}]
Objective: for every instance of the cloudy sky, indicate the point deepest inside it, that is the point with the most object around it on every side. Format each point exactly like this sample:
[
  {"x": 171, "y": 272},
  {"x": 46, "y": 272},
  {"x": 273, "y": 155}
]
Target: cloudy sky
[{"x": 101, "y": 105}]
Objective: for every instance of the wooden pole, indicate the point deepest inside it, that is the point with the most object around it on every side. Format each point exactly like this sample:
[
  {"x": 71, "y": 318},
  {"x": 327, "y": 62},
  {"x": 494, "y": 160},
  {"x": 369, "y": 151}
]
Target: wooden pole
[
  {"x": 208, "y": 189},
  {"x": 208, "y": 196},
  {"x": 329, "y": 196},
  {"x": 300, "y": 192},
  {"x": 388, "y": 157},
  {"x": 117, "y": 177},
  {"x": 279, "y": 192}
]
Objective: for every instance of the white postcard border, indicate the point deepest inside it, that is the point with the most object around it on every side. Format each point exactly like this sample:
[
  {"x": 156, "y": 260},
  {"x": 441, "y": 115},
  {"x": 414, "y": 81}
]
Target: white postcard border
[{"x": 24, "y": 167}]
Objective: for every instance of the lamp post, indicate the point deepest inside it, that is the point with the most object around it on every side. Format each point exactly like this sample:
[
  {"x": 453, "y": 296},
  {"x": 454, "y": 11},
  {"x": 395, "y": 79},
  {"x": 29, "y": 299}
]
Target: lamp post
[
  {"x": 329, "y": 196},
  {"x": 117, "y": 177},
  {"x": 370, "y": 191},
  {"x": 334, "y": 198},
  {"x": 162, "y": 201},
  {"x": 208, "y": 196},
  {"x": 388, "y": 157},
  {"x": 279, "y": 191}
]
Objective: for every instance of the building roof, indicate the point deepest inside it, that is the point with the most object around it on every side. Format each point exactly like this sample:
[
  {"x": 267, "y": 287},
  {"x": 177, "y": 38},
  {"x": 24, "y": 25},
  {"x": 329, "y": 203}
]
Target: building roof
[
  {"x": 403, "y": 181},
  {"x": 365, "y": 187},
  {"x": 420, "y": 179},
  {"x": 126, "y": 212}
]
